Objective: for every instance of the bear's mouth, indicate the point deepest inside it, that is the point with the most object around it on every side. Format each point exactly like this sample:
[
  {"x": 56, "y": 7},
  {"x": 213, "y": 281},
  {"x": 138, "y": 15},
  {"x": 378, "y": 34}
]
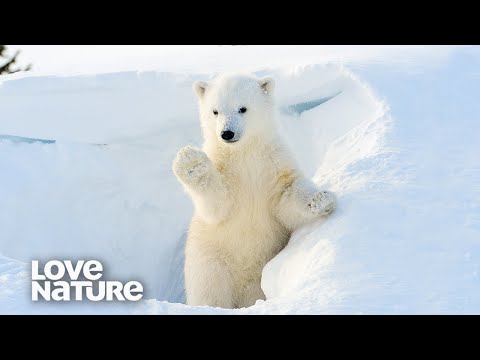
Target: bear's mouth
[{"x": 230, "y": 141}]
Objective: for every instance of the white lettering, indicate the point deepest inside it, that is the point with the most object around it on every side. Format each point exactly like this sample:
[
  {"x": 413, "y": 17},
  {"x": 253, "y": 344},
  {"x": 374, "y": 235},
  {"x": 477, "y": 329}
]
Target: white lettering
[
  {"x": 60, "y": 270},
  {"x": 62, "y": 292},
  {"x": 114, "y": 288},
  {"x": 66, "y": 287},
  {"x": 133, "y": 287},
  {"x": 74, "y": 272},
  {"x": 37, "y": 289},
  {"x": 78, "y": 285},
  {"x": 92, "y": 265},
  {"x": 35, "y": 274},
  {"x": 101, "y": 292}
]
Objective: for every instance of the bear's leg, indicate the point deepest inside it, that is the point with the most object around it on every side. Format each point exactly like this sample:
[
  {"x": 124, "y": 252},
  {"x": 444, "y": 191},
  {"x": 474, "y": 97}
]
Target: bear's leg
[
  {"x": 204, "y": 183},
  {"x": 207, "y": 280},
  {"x": 250, "y": 295},
  {"x": 302, "y": 202}
]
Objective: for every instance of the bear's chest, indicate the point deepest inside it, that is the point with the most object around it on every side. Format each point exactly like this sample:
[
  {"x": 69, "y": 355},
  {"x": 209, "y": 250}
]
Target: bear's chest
[
  {"x": 251, "y": 235},
  {"x": 251, "y": 184}
]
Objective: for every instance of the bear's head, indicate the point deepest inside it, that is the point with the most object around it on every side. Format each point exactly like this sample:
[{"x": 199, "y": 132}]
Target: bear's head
[{"x": 235, "y": 108}]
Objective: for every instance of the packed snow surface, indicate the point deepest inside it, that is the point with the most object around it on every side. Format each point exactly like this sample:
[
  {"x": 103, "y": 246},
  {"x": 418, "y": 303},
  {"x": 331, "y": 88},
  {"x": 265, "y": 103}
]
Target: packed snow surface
[{"x": 85, "y": 173}]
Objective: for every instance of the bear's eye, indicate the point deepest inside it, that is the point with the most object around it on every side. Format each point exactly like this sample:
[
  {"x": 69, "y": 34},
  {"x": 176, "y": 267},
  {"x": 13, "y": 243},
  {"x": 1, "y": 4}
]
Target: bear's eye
[
  {"x": 215, "y": 112},
  {"x": 242, "y": 110}
]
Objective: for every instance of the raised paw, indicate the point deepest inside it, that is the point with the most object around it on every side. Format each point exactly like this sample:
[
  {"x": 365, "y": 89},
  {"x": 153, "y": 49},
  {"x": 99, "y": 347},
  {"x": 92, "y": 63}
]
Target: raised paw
[
  {"x": 191, "y": 164},
  {"x": 323, "y": 203}
]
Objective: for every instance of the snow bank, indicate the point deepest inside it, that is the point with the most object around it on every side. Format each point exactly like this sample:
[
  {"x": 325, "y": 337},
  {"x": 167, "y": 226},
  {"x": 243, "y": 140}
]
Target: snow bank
[{"x": 105, "y": 190}]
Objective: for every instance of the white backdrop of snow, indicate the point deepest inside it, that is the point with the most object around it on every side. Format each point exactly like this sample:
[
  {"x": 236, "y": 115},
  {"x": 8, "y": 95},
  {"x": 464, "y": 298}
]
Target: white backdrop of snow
[{"x": 405, "y": 238}]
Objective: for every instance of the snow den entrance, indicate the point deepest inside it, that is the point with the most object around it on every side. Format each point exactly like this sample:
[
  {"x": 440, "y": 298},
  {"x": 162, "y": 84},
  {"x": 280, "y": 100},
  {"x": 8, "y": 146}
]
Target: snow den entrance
[{"x": 86, "y": 164}]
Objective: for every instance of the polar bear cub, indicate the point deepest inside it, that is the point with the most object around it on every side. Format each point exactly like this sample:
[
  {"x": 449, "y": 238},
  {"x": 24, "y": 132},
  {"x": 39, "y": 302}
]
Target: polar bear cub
[{"x": 247, "y": 192}]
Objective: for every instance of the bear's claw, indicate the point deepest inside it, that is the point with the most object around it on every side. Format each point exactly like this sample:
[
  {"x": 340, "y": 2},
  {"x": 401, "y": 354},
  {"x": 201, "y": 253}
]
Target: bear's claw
[
  {"x": 322, "y": 203},
  {"x": 190, "y": 164}
]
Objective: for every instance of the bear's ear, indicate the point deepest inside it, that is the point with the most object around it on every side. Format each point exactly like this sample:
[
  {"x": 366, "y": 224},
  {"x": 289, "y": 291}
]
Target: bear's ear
[
  {"x": 267, "y": 84},
  {"x": 199, "y": 87}
]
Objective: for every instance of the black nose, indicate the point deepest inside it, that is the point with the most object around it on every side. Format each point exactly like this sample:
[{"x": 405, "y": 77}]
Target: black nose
[{"x": 227, "y": 135}]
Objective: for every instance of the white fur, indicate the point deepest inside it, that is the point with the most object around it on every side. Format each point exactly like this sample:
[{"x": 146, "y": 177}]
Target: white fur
[{"x": 248, "y": 195}]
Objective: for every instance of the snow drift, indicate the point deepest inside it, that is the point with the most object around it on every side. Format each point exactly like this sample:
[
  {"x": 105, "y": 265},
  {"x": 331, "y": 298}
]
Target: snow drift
[{"x": 86, "y": 173}]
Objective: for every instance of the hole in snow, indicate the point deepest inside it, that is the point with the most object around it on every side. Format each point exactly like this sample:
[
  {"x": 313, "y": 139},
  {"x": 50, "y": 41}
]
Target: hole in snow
[{"x": 303, "y": 106}]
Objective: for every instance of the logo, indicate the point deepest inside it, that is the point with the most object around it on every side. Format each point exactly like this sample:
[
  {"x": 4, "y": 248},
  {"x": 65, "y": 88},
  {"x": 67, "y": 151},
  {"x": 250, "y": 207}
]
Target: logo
[{"x": 67, "y": 281}]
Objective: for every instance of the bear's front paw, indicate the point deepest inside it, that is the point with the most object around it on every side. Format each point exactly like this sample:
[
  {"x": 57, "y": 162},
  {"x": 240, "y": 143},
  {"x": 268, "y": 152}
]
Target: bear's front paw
[
  {"x": 191, "y": 164},
  {"x": 322, "y": 203}
]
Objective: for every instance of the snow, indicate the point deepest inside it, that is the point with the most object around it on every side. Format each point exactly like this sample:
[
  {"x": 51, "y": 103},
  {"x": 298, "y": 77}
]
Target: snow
[
  {"x": 392, "y": 130},
  {"x": 96, "y": 59}
]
